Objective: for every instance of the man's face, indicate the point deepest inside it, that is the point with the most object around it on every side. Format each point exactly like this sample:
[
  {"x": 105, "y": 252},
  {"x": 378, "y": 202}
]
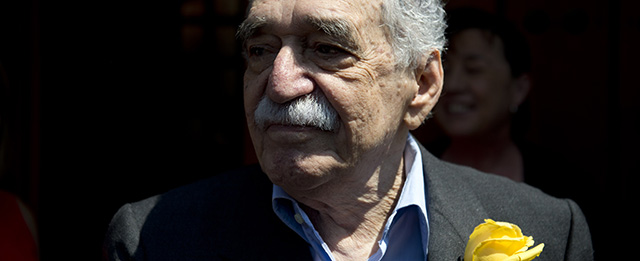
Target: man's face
[
  {"x": 478, "y": 87},
  {"x": 331, "y": 49}
]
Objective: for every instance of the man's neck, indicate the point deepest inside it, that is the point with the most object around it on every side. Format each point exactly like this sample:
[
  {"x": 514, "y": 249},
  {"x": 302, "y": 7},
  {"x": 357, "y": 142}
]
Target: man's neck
[{"x": 350, "y": 215}]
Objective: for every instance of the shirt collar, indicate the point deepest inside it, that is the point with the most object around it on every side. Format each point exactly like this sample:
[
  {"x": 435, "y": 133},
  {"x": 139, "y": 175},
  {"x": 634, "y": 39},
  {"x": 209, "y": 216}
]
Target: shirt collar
[
  {"x": 412, "y": 194},
  {"x": 413, "y": 191}
]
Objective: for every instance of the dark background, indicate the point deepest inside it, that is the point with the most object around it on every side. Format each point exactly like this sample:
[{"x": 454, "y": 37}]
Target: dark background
[{"x": 109, "y": 102}]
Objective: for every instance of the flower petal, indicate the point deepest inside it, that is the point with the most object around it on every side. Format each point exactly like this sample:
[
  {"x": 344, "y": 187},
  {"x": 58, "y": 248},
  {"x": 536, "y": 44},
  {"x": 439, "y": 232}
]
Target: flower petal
[
  {"x": 498, "y": 241},
  {"x": 480, "y": 233},
  {"x": 527, "y": 255},
  {"x": 507, "y": 246}
]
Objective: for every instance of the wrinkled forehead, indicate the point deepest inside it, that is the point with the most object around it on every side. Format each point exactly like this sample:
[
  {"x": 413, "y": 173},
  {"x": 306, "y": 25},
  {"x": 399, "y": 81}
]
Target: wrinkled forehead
[
  {"x": 292, "y": 16},
  {"x": 326, "y": 7}
]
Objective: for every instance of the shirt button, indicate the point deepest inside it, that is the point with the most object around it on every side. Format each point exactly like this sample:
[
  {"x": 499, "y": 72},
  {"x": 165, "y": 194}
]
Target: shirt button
[{"x": 298, "y": 218}]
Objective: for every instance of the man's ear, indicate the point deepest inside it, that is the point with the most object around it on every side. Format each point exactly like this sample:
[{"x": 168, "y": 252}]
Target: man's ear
[{"x": 429, "y": 78}]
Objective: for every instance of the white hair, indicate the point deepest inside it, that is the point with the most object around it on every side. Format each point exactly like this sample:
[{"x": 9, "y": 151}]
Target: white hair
[
  {"x": 312, "y": 110},
  {"x": 416, "y": 28}
]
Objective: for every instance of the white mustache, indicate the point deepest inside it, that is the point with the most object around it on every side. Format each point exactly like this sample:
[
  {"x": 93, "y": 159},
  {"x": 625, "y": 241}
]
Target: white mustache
[{"x": 312, "y": 110}]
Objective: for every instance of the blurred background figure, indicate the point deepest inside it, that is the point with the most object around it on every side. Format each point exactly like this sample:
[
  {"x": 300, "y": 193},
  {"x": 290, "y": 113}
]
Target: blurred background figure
[
  {"x": 483, "y": 116},
  {"x": 486, "y": 82},
  {"x": 484, "y": 111}
]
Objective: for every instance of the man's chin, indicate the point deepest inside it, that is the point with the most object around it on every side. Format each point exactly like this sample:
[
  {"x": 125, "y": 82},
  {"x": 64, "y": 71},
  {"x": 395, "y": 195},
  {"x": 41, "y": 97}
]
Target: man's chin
[
  {"x": 297, "y": 180},
  {"x": 299, "y": 172},
  {"x": 292, "y": 134}
]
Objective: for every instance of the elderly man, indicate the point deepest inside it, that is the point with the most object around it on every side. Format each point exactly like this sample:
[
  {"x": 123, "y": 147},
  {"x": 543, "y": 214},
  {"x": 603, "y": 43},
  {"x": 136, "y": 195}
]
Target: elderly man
[{"x": 331, "y": 90}]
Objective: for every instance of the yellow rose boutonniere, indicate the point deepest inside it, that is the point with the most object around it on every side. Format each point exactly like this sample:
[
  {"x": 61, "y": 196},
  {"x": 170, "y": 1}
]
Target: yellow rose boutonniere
[{"x": 499, "y": 241}]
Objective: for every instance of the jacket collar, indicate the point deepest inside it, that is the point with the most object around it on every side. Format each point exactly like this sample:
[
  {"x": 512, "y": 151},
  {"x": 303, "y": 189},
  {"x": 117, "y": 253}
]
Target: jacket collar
[{"x": 452, "y": 208}]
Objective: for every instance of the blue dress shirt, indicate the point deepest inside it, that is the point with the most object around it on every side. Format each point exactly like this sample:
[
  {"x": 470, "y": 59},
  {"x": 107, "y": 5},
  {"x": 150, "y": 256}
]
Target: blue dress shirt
[{"x": 406, "y": 233}]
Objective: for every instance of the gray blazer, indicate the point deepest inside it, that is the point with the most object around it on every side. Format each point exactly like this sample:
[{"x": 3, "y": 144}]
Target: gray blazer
[{"x": 229, "y": 217}]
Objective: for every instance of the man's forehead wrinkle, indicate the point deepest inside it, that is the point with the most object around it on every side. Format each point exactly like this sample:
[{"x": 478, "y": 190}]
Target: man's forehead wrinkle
[
  {"x": 329, "y": 26},
  {"x": 334, "y": 27}
]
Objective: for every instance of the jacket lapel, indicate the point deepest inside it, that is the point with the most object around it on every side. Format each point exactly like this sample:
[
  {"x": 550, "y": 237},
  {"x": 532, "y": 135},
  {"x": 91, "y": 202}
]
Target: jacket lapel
[{"x": 453, "y": 211}]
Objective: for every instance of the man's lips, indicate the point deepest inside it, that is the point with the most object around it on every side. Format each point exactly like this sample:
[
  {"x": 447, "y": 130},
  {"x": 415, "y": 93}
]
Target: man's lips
[
  {"x": 296, "y": 134},
  {"x": 293, "y": 128},
  {"x": 277, "y": 126}
]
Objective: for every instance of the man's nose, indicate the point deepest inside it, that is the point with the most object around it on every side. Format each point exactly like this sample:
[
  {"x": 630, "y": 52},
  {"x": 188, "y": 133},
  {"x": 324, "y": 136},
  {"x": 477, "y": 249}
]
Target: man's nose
[{"x": 288, "y": 79}]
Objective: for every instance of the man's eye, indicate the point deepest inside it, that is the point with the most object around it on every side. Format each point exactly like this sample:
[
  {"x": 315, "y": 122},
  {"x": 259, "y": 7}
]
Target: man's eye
[
  {"x": 330, "y": 56},
  {"x": 328, "y": 49},
  {"x": 256, "y": 51}
]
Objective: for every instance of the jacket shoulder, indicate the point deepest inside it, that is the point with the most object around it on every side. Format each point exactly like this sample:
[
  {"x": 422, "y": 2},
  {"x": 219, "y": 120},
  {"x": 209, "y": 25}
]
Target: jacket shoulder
[
  {"x": 468, "y": 196},
  {"x": 558, "y": 223},
  {"x": 216, "y": 218}
]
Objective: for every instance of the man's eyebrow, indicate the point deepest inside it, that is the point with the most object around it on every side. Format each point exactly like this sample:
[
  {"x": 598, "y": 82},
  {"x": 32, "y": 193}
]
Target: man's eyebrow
[
  {"x": 338, "y": 29},
  {"x": 249, "y": 27}
]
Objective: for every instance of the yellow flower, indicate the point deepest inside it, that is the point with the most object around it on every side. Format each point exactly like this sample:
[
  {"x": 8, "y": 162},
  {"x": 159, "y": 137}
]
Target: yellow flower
[{"x": 500, "y": 241}]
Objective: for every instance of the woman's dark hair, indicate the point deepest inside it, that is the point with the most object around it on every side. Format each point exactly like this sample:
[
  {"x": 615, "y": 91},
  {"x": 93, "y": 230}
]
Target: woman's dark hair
[
  {"x": 516, "y": 52},
  {"x": 516, "y": 48}
]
